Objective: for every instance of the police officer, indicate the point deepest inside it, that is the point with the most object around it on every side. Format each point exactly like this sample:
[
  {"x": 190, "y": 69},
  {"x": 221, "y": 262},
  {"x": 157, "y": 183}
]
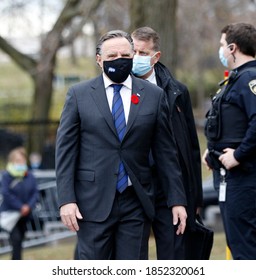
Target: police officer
[{"x": 231, "y": 135}]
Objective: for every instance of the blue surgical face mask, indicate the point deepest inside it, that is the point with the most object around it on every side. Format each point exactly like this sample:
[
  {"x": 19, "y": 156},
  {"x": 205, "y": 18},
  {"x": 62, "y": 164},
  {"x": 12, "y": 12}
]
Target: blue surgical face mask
[
  {"x": 16, "y": 170},
  {"x": 222, "y": 58},
  {"x": 35, "y": 165},
  {"x": 20, "y": 167},
  {"x": 141, "y": 65}
]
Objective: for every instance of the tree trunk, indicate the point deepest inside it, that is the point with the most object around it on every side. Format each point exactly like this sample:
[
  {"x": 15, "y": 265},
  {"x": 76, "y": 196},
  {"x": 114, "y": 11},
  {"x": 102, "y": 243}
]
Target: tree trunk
[
  {"x": 40, "y": 106},
  {"x": 161, "y": 16},
  {"x": 138, "y": 14}
]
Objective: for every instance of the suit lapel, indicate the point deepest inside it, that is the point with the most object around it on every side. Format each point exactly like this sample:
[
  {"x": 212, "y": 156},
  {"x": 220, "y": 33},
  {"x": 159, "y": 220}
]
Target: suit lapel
[
  {"x": 99, "y": 95},
  {"x": 137, "y": 89}
]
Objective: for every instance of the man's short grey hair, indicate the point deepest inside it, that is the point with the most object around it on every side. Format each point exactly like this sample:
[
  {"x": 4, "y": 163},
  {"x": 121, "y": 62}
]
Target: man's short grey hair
[
  {"x": 147, "y": 34},
  {"x": 113, "y": 34}
]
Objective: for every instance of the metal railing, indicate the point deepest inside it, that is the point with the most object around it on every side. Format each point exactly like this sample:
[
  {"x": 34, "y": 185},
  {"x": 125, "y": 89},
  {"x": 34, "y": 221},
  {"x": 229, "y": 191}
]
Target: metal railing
[{"x": 45, "y": 225}]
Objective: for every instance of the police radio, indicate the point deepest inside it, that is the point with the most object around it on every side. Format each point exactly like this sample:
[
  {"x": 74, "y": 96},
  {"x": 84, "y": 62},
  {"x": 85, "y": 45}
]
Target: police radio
[
  {"x": 212, "y": 126},
  {"x": 227, "y": 77}
]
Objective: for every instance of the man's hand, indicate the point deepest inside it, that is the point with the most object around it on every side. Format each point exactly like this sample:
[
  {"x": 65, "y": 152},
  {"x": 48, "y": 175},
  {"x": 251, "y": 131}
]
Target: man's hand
[
  {"x": 228, "y": 159},
  {"x": 204, "y": 159},
  {"x": 69, "y": 214},
  {"x": 179, "y": 218}
]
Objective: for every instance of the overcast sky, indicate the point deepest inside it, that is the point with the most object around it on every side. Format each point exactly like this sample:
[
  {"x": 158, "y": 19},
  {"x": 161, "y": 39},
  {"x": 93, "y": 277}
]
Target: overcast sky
[{"x": 35, "y": 17}]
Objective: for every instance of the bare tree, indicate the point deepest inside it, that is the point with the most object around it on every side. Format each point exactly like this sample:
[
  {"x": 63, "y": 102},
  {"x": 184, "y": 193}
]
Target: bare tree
[
  {"x": 188, "y": 29},
  {"x": 41, "y": 70}
]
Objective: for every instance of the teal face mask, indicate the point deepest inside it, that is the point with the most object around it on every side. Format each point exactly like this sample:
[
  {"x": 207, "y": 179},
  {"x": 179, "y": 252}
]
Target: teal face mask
[
  {"x": 17, "y": 170},
  {"x": 20, "y": 167},
  {"x": 141, "y": 65}
]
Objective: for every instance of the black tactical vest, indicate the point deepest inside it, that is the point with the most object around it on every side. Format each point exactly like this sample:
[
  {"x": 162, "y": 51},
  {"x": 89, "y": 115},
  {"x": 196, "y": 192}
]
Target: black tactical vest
[{"x": 226, "y": 122}]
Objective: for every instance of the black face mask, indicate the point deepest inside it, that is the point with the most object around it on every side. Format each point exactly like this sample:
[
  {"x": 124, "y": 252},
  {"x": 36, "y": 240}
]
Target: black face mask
[{"x": 118, "y": 70}]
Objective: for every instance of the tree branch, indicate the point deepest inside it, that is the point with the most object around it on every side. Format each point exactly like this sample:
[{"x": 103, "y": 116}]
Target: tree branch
[
  {"x": 24, "y": 61},
  {"x": 70, "y": 10},
  {"x": 85, "y": 12}
]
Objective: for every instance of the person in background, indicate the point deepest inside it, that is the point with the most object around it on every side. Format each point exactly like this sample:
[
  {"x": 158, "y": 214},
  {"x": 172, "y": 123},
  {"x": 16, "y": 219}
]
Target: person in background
[
  {"x": 35, "y": 160},
  {"x": 231, "y": 139},
  {"x": 20, "y": 193},
  {"x": 146, "y": 65},
  {"x": 108, "y": 126}
]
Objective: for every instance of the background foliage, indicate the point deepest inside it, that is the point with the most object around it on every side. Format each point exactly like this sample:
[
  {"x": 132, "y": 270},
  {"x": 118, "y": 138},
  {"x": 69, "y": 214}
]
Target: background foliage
[{"x": 65, "y": 32}]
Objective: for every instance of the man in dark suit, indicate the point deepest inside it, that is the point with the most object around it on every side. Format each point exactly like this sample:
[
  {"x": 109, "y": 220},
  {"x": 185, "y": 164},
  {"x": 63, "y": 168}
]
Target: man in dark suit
[
  {"x": 147, "y": 66},
  {"x": 91, "y": 156}
]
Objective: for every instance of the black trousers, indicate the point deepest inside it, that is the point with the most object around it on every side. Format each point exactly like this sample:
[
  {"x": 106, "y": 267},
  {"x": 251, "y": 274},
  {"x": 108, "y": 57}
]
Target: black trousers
[
  {"x": 169, "y": 245},
  {"x": 239, "y": 220},
  {"x": 16, "y": 238},
  {"x": 123, "y": 235}
]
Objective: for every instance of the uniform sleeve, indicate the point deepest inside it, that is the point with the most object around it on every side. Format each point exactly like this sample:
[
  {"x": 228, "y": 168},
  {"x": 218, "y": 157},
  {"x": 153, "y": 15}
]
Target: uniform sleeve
[{"x": 247, "y": 101}]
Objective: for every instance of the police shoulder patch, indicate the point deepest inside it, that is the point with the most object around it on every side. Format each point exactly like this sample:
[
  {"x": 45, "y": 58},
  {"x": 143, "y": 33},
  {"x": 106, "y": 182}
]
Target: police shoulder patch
[{"x": 252, "y": 85}]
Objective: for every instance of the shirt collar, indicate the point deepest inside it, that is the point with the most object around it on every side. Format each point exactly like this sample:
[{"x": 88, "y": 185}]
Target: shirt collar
[
  {"x": 127, "y": 83},
  {"x": 152, "y": 77}
]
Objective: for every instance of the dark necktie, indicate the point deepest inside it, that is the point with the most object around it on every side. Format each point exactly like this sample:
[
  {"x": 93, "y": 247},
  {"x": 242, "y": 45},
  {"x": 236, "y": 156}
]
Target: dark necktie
[{"x": 119, "y": 120}]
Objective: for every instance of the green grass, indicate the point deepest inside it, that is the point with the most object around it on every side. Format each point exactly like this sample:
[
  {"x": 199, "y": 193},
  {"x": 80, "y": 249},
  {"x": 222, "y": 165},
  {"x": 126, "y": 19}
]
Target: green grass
[
  {"x": 17, "y": 88},
  {"x": 13, "y": 78},
  {"x": 64, "y": 250}
]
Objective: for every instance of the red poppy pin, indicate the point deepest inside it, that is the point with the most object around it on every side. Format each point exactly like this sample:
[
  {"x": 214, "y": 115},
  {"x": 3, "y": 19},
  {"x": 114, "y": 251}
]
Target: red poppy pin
[{"x": 135, "y": 98}]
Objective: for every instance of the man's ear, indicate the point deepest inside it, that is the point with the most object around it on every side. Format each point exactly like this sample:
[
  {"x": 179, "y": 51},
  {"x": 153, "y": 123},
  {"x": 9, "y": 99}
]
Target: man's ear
[
  {"x": 98, "y": 60},
  {"x": 232, "y": 47},
  {"x": 157, "y": 57}
]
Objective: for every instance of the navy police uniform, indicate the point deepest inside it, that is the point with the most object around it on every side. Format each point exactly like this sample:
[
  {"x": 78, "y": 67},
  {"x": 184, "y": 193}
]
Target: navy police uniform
[{"x": 231, "y": 123}]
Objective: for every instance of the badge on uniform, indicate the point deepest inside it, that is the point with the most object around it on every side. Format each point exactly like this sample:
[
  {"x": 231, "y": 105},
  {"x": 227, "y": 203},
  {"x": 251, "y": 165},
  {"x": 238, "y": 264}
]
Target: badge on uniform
[
  {"x": 223, "y": 185},
  {"x": 252, "y": 86},
  {"x": 222, "y": 191}
]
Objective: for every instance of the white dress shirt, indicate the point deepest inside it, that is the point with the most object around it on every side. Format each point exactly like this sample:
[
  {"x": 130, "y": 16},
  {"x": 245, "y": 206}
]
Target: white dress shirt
[
  {"x": 152, "y": 78},
  {"x": 125, "y": 92}
]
